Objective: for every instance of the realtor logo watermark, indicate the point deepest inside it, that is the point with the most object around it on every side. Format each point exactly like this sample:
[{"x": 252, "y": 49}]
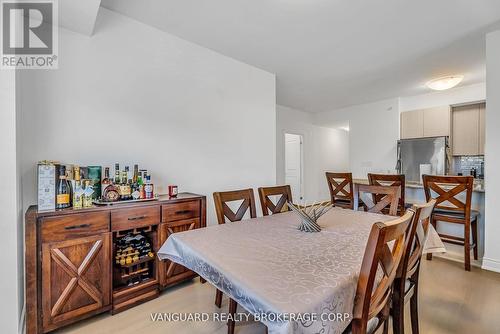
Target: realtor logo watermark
[{"x": 29, "y": 36}]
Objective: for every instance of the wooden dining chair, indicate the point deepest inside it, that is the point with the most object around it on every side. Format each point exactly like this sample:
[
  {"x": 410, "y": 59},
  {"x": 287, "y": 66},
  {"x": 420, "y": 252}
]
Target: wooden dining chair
[
  {"x": 223, "y": 211},
  {"x": 285, "y": 196},
  {"x": 387, "y": 202},
  {"x": 389, "y": 180},
  {"x": 453, "y": 196},
  {"x": 341, "y": 189},
  {"x": 383, "y": 254},
  {"x": 406, "y": 282}
]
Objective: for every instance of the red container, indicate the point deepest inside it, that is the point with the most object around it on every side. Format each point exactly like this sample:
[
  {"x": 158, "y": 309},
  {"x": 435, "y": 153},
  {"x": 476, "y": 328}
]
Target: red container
[{"x": 172, "y": 191}]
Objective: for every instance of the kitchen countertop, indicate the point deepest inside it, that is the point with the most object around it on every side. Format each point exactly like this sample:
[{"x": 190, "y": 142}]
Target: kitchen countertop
[{"x": 478, "y": 184}]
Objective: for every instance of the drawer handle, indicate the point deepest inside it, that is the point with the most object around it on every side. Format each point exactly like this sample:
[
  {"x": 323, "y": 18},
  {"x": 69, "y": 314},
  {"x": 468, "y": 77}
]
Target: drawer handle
[
  {"x": 74, "y": 227},
  {"x": 137, "y": 218},
  {"x": 182, "y": 212}
]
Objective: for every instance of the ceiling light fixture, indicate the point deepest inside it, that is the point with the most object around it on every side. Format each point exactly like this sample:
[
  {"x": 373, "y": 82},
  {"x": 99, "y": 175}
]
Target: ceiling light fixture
[{"x": 445, "y": 83}]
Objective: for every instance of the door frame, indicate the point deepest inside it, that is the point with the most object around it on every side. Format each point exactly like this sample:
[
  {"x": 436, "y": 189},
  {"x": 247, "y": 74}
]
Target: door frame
[{"x": 302, "y": 140}]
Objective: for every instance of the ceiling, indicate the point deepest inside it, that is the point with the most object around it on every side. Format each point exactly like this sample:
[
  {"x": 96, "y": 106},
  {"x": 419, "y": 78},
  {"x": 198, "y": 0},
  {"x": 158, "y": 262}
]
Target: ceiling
[{"x": 333, "y": 53}]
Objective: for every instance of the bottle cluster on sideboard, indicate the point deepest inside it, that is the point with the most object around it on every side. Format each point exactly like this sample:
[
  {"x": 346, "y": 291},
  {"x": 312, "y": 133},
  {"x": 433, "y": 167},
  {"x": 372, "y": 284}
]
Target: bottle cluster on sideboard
[{"x": 62, "y": 186}]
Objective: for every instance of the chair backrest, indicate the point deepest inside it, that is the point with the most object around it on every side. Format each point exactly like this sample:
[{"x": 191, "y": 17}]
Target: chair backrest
[
  {"x": 389, "y": 180},
  {"x": 415, "y": 238},
  {"x": 223, "y": 211},
  {"x": 285, "y": 196},
  {"x": 447, "y": 189},
  {"x": 388, "y": 197},
  {"x": 384, "y": 250},
  {"x": 340, "y": 185}
]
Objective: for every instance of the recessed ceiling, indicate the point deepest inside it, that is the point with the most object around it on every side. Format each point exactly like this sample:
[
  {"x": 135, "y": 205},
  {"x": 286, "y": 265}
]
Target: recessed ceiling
[{"x": 333, "y": 53}]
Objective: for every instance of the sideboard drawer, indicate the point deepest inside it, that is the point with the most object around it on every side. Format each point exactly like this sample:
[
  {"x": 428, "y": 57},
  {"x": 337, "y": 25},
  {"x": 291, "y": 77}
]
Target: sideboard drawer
[
  {"x": 74, "y": 226},
  {"x": 125, "y": 219},
  {"x": 180, "y": 211}
]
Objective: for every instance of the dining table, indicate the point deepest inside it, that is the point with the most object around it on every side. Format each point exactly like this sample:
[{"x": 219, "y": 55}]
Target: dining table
[{"x": 292, "y": 281}]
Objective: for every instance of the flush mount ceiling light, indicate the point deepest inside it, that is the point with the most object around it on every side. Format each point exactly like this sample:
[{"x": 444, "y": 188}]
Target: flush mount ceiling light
[{"x": 445, "y": 83}]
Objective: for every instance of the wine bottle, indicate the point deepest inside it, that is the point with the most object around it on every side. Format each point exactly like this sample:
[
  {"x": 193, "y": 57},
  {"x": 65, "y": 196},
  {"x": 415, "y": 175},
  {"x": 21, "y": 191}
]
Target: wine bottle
[{"x": 63, "y": 190}]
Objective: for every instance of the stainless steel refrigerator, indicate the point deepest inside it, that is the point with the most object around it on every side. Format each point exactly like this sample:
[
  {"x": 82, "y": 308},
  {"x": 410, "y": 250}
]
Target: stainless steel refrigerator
[{"x": 423, "y": 156}]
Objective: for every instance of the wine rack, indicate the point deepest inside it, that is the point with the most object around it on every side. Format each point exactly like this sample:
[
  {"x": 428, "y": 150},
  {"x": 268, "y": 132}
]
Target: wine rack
[{"x": 134, "y": 257}]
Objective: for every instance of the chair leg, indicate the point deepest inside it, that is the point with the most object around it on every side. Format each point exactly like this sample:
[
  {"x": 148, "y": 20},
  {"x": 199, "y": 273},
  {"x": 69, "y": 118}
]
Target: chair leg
[
  {"x": 398, "y": 311},
  {"x": 218, "y": 298},
  {"x": 467, "y": 245},
  {"x": 386, "y": 326},
  {"x": 232, "y": 311},
  {"x": 414, "y": 310},
  {"x": 434, "y": 224},
  {"x": 474, "y": 238}
]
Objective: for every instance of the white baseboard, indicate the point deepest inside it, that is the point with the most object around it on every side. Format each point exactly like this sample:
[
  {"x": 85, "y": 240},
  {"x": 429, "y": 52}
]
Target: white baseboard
[
  {"x": 22, "y": 321},
  {"x": 491, "y": 265}
]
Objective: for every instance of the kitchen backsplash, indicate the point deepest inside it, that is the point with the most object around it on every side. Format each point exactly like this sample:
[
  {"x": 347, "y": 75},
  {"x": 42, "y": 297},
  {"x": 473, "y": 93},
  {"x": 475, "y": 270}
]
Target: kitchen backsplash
[{"x": 464, "y": 165}]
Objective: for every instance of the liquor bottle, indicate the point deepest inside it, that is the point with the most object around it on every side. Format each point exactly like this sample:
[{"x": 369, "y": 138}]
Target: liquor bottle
[
  {"x": 134, "y": 185},
  {"x": 117, "y": 174},
  {"x": 125, "y": 175},
  {"x": 78, "y": 192},
  {"x": 125, "y": 191},
  {"x": 87, "y": 194},
  {"x": 63, "y": 190},
  {"x": 140, "y": 185},
  {"x": 111, "y": 193},
  {"x": 136, "y": 174},
  {"x": 70, "y": 179},
  {"x": 149, "y": 188},
  {"x": 106, "y": 181}
]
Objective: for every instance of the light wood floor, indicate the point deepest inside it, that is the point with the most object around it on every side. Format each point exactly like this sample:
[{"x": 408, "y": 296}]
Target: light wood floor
[{"x": 451, "y": 301}]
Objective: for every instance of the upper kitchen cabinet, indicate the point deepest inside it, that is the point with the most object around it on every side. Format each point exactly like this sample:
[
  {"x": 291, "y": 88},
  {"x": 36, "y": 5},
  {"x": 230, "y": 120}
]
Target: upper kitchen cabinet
[
  {"x": 437, "y": 122},
  {"x": 432, "y": 122},
  {"x": 468, "y": 129},
  {"x": 412, "y": 124}
]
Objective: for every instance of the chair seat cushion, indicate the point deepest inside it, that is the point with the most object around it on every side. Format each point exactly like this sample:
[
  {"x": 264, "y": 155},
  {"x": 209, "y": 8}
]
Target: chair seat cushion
[{"x": 370, "y": 327}]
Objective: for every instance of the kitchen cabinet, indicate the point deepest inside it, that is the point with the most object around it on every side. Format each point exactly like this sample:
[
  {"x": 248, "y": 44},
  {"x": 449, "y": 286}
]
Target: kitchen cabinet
[
  {"x": 431, "y": 122},
  {"x": 468, "y": 130},
  {"x": 437, "y": 122},
  {"x": 412, "y": 124}
]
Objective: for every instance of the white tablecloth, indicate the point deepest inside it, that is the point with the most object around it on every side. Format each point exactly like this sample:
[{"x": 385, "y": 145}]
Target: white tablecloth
[{"x": 271, "y": 268}]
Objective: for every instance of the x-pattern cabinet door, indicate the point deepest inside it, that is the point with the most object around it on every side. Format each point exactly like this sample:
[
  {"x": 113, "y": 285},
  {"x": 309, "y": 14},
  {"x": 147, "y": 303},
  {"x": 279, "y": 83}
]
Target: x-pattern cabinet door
[
  {"x": 171, "y": 272},
  {"x": 75, "y": 278}
]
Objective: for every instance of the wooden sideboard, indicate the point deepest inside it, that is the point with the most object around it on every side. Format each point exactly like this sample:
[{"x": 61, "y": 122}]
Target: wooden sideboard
[{"x": 70, "y": 257}]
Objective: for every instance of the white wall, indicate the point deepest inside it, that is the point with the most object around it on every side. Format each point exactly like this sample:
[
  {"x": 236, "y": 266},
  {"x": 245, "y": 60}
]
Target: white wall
[
  {"x": 465, "y": 94},
  {"x": 491, "y": 259},
  {"x": 324, "y": 149},
  {"x": 11, "y": 280},
  {"x": 131, "y": 93},
  {"x": 373, "y": 135}
]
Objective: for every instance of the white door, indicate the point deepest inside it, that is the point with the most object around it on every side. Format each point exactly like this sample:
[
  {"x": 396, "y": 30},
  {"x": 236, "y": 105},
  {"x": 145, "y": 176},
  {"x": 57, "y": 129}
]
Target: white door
[{"x": 293, "y": 164}]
